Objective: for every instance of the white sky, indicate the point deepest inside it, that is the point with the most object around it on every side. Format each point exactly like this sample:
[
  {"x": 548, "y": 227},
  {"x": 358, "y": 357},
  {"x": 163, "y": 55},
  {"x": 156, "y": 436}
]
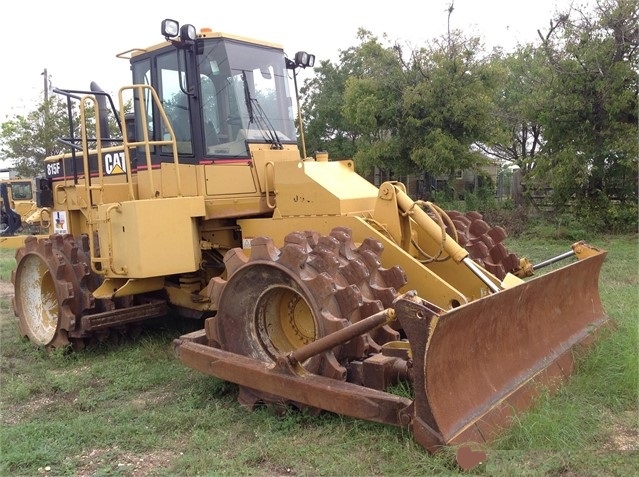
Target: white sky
[{"x": 76, "y": 41}]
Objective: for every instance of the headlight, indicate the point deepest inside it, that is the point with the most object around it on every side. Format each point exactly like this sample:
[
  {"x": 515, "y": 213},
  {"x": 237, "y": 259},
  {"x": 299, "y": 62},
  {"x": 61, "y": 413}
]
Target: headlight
[
  {"x": 303, "y": 59},
  {"x": 170, "y": 28},
  {"x": 188, "y": 33}
]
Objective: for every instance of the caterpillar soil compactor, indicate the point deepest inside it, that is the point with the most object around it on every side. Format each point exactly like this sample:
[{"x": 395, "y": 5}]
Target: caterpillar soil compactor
[
  {"x": 19, "y": 211},
  {"x": 316, "y": 288}
]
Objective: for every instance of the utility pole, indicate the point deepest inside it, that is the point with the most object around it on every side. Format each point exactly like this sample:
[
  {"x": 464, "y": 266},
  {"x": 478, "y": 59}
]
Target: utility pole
[
  {"x": 46, "y": 85},
  {"x": 45, "y": 73}
]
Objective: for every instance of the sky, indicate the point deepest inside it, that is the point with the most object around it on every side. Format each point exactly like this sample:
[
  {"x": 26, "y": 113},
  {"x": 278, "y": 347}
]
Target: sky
[{"x": 77, "y": 43}]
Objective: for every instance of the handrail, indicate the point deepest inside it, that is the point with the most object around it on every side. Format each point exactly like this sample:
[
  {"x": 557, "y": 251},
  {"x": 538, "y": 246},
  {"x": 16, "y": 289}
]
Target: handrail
[
  {"x": 85, "y": 151},
  {"x": 104, "y": 264},
  {"x": 146, "y": 142},
  {"x": 107, "y": 219},
  {"x": 266, "y": 190}
]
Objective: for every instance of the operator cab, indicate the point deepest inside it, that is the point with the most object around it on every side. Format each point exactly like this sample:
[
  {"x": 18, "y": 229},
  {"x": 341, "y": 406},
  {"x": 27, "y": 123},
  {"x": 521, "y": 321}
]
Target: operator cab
[{"x": 220, "y": 94}]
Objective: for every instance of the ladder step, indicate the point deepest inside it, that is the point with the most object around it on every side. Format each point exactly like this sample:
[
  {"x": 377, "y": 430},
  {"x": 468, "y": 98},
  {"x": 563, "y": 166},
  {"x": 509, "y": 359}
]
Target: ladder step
[{"x": 108, "y": 319}]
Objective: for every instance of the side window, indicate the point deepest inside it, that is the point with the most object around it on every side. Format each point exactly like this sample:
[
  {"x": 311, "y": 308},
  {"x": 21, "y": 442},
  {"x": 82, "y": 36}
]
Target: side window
[
  {"x": 144, "y": 117},
  {"x": 175, "y": 102}
]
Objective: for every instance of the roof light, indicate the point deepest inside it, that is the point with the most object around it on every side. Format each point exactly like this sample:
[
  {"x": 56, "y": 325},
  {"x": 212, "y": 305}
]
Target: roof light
[
  {"x": 170, "y": 28},
  {"x": 181, "y": 37},
  {"x": 188, "y": 33},
  {"x": 303, "y": 59}
]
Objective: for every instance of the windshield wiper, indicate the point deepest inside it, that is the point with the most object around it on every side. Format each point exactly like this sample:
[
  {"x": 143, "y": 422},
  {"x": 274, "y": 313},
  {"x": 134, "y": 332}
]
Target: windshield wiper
[
  {"x": 265, "y": 126},
  {"x": 259, "y": 117},
  {"x": 247, "y": 97}
]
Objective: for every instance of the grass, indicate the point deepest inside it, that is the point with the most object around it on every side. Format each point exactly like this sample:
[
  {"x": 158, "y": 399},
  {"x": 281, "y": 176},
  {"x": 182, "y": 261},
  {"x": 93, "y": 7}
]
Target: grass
[
  {"x": 131, "y": 408},
  {"x": 603, "y": 394},
  {"x": 7, "y": 263}
]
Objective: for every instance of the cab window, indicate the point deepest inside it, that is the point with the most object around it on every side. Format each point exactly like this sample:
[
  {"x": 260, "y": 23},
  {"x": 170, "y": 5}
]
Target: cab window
[
  {"x": 21, "y": 191},
  {"x": 175, "y": 102}
]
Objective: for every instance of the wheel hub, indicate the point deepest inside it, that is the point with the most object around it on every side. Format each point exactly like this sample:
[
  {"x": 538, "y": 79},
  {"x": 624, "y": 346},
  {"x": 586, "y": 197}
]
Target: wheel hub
[
  {"x": 284, "y": 320},
  {"x": 38, "y": 300}
]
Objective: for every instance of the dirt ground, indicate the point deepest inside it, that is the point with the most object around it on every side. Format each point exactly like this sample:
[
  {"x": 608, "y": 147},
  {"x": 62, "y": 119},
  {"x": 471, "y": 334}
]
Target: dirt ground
[{"x": 6, "y": 289}]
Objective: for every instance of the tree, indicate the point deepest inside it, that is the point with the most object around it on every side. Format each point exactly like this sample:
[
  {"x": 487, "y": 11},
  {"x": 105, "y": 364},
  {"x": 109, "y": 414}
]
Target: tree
[
  {"x": 29, "y": 139},
  {"x": 564, "y": 111},
  {"x": 326, "y": 129},
  {"x": 449, "y": 109},
  {"x": 520, "y": 100},
  {"x": 372, "y": 105},
  {"x": 328, "y": 126},
  {"x": 590, "y": 128},
  {"x": 422, "y": 111}
]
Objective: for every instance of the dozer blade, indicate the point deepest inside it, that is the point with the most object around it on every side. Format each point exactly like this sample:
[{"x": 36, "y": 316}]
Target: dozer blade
[
  {"x": 472, "y": 368},
  {"x": 489, "y": 359}
]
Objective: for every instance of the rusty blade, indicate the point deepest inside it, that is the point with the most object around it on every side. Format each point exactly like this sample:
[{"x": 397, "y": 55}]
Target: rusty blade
[
  {"x": 281, "y": 380},
  {"x": 489, "y": 359}
]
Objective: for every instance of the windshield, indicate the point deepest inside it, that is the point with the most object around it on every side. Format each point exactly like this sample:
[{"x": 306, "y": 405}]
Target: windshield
[{"x": 245, "y": 96}]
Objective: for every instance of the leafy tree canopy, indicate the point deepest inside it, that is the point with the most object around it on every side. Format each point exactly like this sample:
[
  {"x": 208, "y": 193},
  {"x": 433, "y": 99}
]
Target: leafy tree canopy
[
  {"x": 29, "y": 139},
  {"x": 590, "y": 122},
  {"x": 563, "y": 110}
]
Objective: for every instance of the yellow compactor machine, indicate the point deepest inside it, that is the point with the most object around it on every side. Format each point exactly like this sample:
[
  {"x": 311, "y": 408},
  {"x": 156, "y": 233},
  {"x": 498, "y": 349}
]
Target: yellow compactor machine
[
  {"x": 19, "y": 211},
  {"x": 316, "y": 288}
]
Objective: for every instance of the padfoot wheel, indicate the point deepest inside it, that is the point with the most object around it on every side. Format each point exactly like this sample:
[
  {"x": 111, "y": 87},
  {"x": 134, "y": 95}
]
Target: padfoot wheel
[
  {"x": 51, "y": 292},
  {"x": 279, "y": 300},
  {"x": 483, "y": 243}
]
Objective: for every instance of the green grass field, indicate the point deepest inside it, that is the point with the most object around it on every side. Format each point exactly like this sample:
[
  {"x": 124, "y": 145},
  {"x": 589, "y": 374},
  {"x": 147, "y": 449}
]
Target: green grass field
[{"x": 132, "y": 409}]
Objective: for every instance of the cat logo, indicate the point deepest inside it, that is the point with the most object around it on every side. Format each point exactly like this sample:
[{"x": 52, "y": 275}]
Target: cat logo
[{"x": 114, "y": 163}]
